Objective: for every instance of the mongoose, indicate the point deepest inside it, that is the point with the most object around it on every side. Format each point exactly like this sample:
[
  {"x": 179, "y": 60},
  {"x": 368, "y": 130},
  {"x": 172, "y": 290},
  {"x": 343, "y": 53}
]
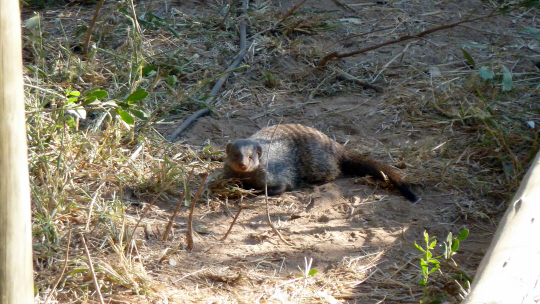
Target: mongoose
[{"x": 296, "y": 155}]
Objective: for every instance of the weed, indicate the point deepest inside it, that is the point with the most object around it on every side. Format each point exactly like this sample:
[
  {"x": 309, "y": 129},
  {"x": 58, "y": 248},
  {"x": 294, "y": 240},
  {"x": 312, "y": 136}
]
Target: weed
[{"x": 430, "y": 264}]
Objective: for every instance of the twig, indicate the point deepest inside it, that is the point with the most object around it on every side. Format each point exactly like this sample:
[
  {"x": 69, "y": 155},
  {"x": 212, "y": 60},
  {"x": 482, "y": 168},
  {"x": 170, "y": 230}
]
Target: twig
[
  {"x": 337, "y": 56},
  {"x": 219, "y": 83},
  {"x": 94, "y": 278},
  {"x": 177, "y": 208},
  {"x": 90, "y": 29},
  {"x": 350, "y": 77},
  {"x": 189, "y": 274},
  {"x": 289, "y": 13},
  {"x": 191, "y": 209},
  {"x": 63, "y": 270},
  {"x": 391, "y": 60},
  {"x": 235, "y": 217},
  {"x": 46, "y": 91}
]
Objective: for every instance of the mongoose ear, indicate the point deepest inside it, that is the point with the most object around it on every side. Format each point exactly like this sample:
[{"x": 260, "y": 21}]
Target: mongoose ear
[
  {"x": 228, "y": 148},
  {"x": 259, "y": 151}
]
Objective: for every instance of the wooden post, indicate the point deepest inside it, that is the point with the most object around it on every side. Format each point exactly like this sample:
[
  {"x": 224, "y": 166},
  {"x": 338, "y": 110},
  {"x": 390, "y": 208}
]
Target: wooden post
[
  {"x": 16, "y": 275},
  {"x": 510, "y": 270}
]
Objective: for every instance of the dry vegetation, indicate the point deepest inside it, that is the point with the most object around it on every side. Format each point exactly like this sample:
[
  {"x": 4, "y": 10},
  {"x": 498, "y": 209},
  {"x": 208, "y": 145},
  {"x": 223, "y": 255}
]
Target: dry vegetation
[{"x": 463, "y": 140}]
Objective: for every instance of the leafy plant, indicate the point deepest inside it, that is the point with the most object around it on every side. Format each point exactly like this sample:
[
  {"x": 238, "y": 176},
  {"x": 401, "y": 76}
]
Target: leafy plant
[
  {"x": 430, "y": 263},
  {"x": 427, "y": 258},
  {"x": 486, "y": 73}
]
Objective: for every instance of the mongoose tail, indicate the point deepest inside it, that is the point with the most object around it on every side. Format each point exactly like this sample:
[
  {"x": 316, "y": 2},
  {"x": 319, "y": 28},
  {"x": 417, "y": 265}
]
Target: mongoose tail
[{"x": 355, "y": 164}]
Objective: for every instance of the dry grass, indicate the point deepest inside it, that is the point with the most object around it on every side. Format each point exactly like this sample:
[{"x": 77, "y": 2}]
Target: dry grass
[{"x": 102, "y": 178}]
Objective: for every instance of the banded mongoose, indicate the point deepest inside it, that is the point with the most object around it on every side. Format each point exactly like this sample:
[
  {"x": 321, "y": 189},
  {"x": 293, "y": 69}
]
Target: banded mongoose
[{"x": 297, "y": 155}]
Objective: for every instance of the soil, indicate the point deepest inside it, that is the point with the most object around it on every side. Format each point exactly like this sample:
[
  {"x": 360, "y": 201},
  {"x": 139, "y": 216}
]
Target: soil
[{"x": 358, "y": 233}]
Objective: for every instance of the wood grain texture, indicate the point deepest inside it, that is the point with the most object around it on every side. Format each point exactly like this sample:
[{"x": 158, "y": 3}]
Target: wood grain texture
[{"x": 16, "y": 275}]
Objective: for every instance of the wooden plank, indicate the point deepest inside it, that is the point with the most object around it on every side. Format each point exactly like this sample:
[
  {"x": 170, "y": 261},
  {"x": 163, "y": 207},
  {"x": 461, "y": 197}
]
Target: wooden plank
[
  {"x": 16, "y": 281},
  {"x": 510, "y": 270}
]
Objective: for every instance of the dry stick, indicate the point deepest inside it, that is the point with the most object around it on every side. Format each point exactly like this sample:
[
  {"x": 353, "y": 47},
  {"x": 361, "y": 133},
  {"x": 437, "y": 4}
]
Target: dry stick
[
  {"x": 350, "y": 77},
  {"x": 336, "y": 55},
  {"x": 94, "y": 278},
  {"x": 221, "y": 80},
  {"x": 392, "y": 60},
  {"x": 191, "y": 209},
  {"x": 91, "y": 27},
  {"x": 235, "y": 217},
  {"x": 289, "y": 13},
  {"x": 177, "y": 208},
  {"x": 63, "y": 270},
  {"x": 268, "y": 219}
]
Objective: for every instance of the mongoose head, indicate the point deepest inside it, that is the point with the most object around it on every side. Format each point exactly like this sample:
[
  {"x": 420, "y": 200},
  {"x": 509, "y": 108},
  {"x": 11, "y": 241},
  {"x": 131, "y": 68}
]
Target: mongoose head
[{"x": 243, "y": 155}]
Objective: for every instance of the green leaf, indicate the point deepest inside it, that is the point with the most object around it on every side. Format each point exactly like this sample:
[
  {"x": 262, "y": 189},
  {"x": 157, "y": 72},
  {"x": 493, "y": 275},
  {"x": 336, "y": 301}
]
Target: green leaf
[
  {"x": 455, "y": 245},
  {"x": 531, "y": 31},
  {"x": 149, "y": 68},
  {"x": 423, "y": 282},
  {"x": 93, "y": 96},
  {"x": 99, "y": 94},
  {"x": 463, "y": 234},
  {"x": 70, "y": 121},
  {"x": 468, "y": 57},
  {"x": 137, "y": 95},
  {"x": 90, "y": 91},
  {"x": 172, "y": 79},
  {"x": 139, "y": 114},
  {"x": 434, "y": 268},
  {"x": 433, "y": 243},
  {"x": 419, "y": 247},
  {"x": 74, "y": 93},
  {"x": 433, "y": 261},
  {"x": 173, "y": 31},
  {"x": 426, "y": 236},
  {"x": 71, "y": 100},
  {"x": 486, "y": 73},
  {"x": 475, "y": 45},
  {"x": 312, "y": 271},
  {"x": 125, "y": 116},
  {"x": 507, "y": 79}
]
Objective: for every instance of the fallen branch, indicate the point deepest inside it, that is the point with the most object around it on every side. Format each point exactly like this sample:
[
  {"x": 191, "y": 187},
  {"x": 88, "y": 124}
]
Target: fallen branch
[
  {"x": 337, "y": 56},
  {"x": 91, "y": 27}
]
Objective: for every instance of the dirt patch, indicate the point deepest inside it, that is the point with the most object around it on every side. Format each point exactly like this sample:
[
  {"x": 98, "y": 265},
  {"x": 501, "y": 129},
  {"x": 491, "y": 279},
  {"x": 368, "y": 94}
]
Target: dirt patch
[{"x": 462, "y": 142}]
